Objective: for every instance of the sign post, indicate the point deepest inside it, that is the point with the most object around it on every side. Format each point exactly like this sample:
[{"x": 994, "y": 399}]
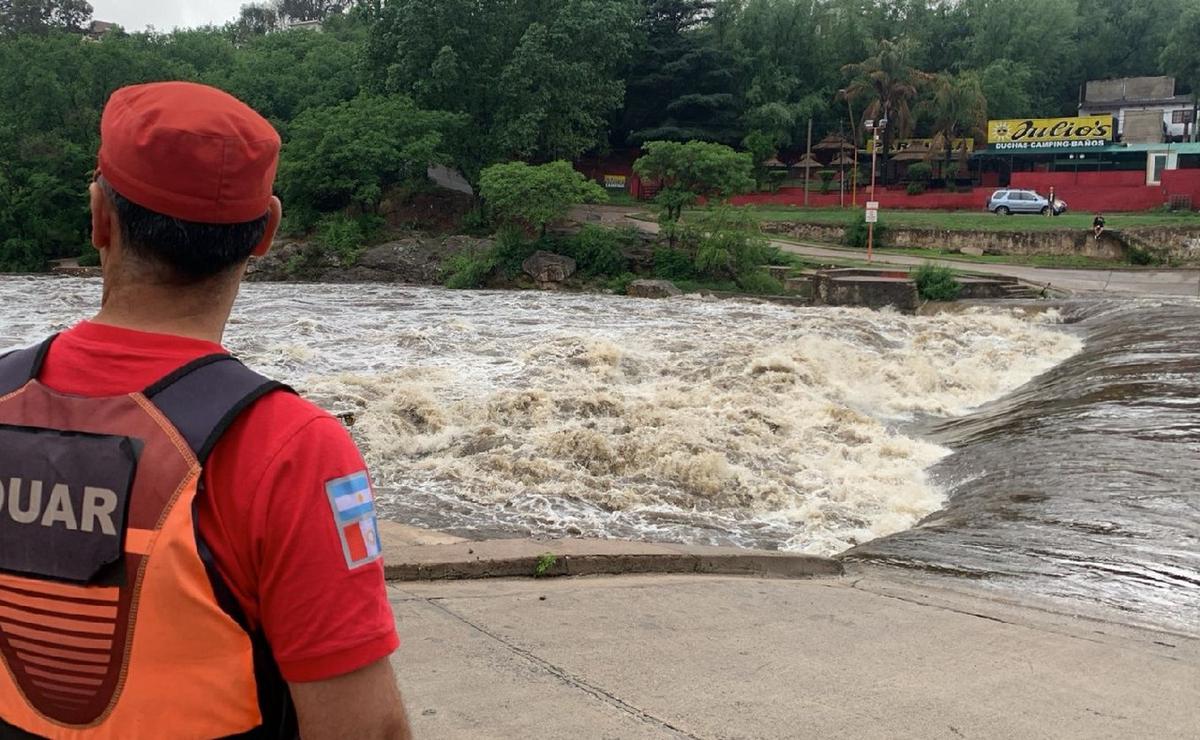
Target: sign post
[{"x": 876, "y": 127}]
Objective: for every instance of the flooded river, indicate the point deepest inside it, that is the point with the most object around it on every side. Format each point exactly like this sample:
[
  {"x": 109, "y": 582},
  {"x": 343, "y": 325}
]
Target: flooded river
[{"x": 914, "y": 441}]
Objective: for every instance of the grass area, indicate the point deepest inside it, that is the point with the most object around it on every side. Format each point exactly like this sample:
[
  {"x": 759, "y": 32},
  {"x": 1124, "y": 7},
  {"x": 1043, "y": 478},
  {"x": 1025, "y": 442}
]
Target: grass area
[{"x": 975, "y": 221}]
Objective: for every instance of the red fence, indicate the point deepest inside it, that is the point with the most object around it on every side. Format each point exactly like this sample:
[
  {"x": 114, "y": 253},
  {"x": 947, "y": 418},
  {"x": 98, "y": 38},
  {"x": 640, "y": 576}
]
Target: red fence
[{"x": 1083, "y": 191}]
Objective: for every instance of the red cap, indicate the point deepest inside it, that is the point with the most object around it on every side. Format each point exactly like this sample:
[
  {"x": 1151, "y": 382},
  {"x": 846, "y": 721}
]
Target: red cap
[{"x": 189, "y": 151}]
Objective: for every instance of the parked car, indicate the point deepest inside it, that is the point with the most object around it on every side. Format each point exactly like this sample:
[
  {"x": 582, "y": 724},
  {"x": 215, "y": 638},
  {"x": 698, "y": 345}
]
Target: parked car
[{"x": 1008, "y": 202}]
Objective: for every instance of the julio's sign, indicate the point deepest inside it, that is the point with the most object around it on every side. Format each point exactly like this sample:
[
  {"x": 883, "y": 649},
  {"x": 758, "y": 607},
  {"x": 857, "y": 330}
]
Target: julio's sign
[{"x": 1051, "y": 133}]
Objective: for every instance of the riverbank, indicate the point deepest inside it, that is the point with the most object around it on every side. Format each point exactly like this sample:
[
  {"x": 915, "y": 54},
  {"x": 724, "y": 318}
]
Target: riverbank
[{"x": 877, "y": 653}]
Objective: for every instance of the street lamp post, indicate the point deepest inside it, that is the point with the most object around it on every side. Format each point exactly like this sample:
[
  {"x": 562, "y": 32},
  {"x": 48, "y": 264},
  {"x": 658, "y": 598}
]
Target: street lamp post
[{"x": 875, "y": 129}]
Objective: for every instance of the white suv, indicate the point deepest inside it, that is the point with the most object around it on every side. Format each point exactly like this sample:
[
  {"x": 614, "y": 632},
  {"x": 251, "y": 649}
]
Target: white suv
[{"x": 1008, "y": 202}]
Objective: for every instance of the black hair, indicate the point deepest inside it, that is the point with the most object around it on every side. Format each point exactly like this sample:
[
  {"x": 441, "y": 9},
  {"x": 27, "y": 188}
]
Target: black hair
[{"x": 191, "y": 251}]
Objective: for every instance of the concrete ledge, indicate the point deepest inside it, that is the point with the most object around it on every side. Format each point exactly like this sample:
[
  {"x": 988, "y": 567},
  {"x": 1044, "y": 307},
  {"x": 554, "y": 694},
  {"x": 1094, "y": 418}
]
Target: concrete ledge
[{"x": 580, "y": 557}]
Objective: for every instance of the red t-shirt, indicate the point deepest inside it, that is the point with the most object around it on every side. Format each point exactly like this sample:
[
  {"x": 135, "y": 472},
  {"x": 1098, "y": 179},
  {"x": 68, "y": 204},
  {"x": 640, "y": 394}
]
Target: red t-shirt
[{"x": 265, "y": 513}]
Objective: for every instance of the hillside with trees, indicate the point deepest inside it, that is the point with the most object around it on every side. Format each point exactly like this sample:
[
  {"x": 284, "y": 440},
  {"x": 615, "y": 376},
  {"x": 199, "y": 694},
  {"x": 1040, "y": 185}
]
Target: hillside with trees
[{"x": 386, "y": 89}]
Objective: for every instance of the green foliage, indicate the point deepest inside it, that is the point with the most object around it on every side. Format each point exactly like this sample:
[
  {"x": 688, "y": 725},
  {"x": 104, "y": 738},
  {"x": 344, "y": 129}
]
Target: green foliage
[
  {"x": 826, "y": 180},
  {"x": 1179, "y": 57},
  {"x": 533, "y": 196},
  {"x": 468, "y": 270},
  {"x": 511, "y": 251},
  {"x": 599, "y": 251},
  {"x": 916, "y": 188},
  {"x": 760, "y": 283},
  {"x": 936, "y": 283},
  {"x": 21, "y": 255},
  {"x": 689, "y": 171},
  {"x": 857, "y": 232},
  {"x": 620, "y": 283},
  {"x": 920, "y": 172},
  {"x": 346, "y": 236},
  {"x": 350, "y": 154},
  {"x": 545, "y": 564},
  {"x": 671, "y": 263},
  {"x": 536, "y": 80},
  {"x": 89, "y": 257},
  {"x": 728, "y": 244}
]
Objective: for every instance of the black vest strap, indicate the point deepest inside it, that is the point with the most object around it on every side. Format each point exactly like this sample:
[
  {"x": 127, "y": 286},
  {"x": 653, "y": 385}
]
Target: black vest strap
[
  {"x": 203, "y": 398},
  {"x": 19, "y": 367}
]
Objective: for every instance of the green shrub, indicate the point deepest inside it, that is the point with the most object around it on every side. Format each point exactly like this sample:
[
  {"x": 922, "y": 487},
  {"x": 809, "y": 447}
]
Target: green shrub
[
  {"x": 775, "y": 179},
  {"x": 728, "y": 243},
  {"x": 920, "y": 172},
  {"x": 21, "y": 255},
  {"x": 916, "y": 188},
  {"x": 599, "y": 251},
  {"x": 673, "y": 264},
  {"x": 826, "y": 180},
  {"x": 346, "y": 236},
  {"x": 856, "y": 232},
  {"x": 936, "y": 283},
  {"x": 760, "y": 283},
  {"x": 512, "y": 250},
  {"x": 620, "y": 283},
  {"x": 468, "y": 270},
  {"x": 90, "y": 257},
  {"x": 476, "y": 222}
]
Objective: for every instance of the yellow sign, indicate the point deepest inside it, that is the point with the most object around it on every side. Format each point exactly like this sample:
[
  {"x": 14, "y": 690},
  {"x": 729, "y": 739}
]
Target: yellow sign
[
  {"x": 615, "y": 181},
  {"x": 1051, "y": 133},
  {"x": 924, "y": 145}
]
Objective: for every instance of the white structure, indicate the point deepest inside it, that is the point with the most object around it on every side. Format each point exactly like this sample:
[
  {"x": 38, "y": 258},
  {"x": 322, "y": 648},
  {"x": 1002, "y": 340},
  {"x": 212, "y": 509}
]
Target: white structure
[{"x": 1147, "y": 109}]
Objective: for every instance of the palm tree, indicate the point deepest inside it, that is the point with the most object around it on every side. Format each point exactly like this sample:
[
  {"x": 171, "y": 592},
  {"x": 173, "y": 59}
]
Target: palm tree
[
  {"x": 957, "y": 109},
  {"x": 888, "y": 85}
]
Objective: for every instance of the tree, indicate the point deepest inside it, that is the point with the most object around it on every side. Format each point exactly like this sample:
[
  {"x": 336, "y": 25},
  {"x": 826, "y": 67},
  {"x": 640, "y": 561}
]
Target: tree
[
  {"x": 538, "y": 80},
  {"x": 40, "y": 16},
  {"x": 688, "y": 172},
  {"x": 349, "y": 155},
  {"x": 310, "y": 10},
  {"x": 1007, "y": 88},
  {"x": 889, "y": 86},
  {"x": 256, "y": 19},
  {"x": 534, "y": 196},
  {"x": 957, "y": 108},
  {"x": 1180, "y": 57}
]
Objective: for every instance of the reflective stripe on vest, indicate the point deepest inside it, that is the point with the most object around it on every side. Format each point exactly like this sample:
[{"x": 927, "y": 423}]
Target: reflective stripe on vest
[{"x": 113, "y": 620}]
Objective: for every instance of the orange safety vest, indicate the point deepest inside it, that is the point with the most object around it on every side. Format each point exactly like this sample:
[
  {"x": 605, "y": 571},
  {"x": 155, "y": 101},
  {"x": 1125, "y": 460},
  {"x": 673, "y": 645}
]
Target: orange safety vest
[{"x": 114, "y": 622}]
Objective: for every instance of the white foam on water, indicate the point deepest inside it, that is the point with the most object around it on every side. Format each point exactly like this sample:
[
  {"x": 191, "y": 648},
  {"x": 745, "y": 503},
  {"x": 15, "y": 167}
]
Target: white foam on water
[{"x": 682, "y": 419}]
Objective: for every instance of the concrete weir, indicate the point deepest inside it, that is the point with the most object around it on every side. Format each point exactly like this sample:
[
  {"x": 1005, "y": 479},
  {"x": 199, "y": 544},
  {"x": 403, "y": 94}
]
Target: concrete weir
[
  {"x": 895, "y": 288},
  {"x": 412, "y": 554}
]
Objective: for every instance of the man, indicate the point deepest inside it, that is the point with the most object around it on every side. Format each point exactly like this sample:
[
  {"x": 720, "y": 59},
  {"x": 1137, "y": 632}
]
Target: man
[
  {"x": 186, "y": 549},
  {"x": 1098, "y": 225}
]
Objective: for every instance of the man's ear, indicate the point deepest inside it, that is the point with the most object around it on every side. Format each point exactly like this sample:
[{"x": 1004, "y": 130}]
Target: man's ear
[
  {"x": 275, "y": 216},
  {"x": 103, "y": 218}
]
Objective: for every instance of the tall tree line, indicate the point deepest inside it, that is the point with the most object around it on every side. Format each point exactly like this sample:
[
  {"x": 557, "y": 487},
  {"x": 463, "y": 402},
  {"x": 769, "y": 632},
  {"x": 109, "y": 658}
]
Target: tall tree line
[{"x": 477, "y": 82}]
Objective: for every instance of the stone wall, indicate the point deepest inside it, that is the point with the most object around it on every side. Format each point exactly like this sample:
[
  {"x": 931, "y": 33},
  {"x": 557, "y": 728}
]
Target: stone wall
[{"x": 1167, "y": 244}]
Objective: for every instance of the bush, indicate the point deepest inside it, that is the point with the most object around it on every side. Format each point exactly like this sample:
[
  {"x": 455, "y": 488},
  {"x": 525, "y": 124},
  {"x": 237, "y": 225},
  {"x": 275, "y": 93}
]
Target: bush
[
  {"x": 673, "y": 264},
  {"x": 21, "y": 255},
  {"x": 533, "y": 196},
  {"x": 620, "y": 283},
  {"x": 728, "y": 243},
  {"x": 936, "y": 283},
  {"x": 920, "y": 172},
  {"x": 346, "y": 236},
  {"x": 512, "y": 250},
  {"x": 916, "y": 188},
  {"x": 468, "y": 270},
  {"x": 600, "y": 251},
  {"x": 759, "y": 282},
  {"x": 826, "y": 180},
  {"x": 856, "y": 232},
  {"x": 90, "y": 257}
]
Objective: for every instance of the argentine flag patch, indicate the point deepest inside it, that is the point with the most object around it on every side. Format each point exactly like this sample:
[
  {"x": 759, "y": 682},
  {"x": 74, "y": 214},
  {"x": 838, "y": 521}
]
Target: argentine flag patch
[{"x": 354, "y": 514}]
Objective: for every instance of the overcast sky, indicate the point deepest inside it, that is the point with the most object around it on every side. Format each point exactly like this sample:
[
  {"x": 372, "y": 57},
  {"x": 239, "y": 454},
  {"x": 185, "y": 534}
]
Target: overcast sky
[{"x": 164, "y": 15}]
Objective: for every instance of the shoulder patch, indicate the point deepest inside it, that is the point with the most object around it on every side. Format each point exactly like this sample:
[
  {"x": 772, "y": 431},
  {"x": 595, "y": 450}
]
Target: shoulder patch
[{"x": 353, "y": 506}]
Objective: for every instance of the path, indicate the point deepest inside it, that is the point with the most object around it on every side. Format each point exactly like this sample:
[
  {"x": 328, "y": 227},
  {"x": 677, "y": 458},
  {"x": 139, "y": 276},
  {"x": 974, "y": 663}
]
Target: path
[
  {"x": 1178, "y": 282},
  {"x": 868, "y": 656}
]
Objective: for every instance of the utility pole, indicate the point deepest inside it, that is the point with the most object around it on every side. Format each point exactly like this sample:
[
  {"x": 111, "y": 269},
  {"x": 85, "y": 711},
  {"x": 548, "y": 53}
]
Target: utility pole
[
  {"x": 807, "y": 162},
  {"x": 873, "y": 206}
]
